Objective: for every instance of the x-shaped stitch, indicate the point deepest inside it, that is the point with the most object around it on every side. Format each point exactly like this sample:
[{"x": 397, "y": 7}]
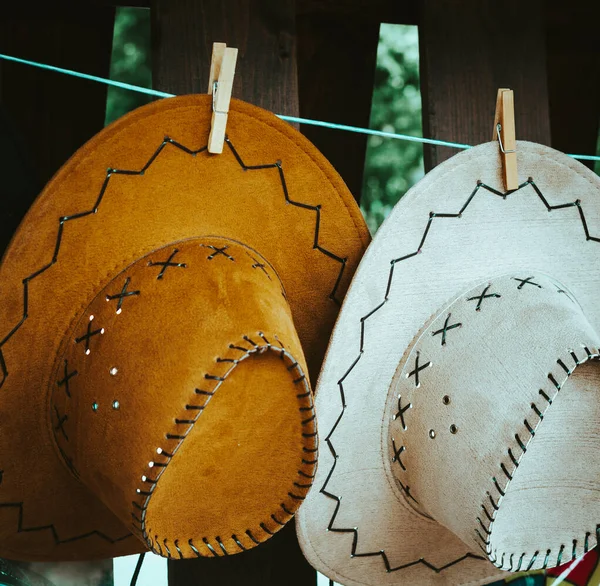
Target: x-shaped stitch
[
  {"x": 89, "y": 334},
  {"x": 567, "y": 294},
  {"x": 218, "y": 251},
  {"x": 484, "y": 295},
  {"x": 261, "y": 266},
  {"x": 406, "y": 489},
  {"x": 168, "y": 263},
  {"x": 61, "y": 423},
  {"x": 401, "y": 411},
  {"x": 446, "y": 328},
  {"x": 121, "y": 296},
  {"x": 526, "y": 281},
  {"x": 417, "y": 370},
  {"x": 397, "y": 453},
  {"x": 68, "y": 461},
  {"x": 67, "y": 377}
]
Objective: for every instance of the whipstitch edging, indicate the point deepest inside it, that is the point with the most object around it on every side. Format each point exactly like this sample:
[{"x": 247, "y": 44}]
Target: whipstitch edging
[
  {"x": 487, "y": 523},
  {"x": 305, "y": 479}
]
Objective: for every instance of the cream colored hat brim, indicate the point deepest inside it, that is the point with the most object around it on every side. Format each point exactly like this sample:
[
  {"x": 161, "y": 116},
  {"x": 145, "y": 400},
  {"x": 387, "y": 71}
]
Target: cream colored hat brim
[{"x": 354, "y": 527}]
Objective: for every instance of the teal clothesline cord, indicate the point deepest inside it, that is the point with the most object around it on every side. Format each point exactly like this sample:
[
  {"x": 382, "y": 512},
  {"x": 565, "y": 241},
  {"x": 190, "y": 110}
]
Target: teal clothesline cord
[{"x": 332, "y": 125}]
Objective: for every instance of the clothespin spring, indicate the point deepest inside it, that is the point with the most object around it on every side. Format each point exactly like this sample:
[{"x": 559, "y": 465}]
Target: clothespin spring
[{"x": 502, "y": 149}]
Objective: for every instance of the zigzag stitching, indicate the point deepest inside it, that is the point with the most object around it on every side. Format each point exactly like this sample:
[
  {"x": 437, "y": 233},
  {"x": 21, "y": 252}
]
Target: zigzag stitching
[
  {"x": 432, "y": 216},
  {"x": 316, "y": 209},
  {"x": 110, "y": 172},
  {"x": 52, "y": 529}
]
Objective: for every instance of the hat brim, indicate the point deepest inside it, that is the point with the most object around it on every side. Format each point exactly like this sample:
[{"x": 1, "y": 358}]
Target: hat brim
[
  {"x": 446, "y": 234},
  {"x": 270, "y": 189}
]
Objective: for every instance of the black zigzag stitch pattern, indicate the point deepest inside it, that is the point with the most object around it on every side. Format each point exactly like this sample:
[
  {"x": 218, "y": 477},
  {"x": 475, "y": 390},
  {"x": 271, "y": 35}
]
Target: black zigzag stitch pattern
[
  {"x": 432, "y": 216},
  {"x": 299, "y": 204},
  {"x": 111, "y": 171},
  {"x": 52, "y": 529}
]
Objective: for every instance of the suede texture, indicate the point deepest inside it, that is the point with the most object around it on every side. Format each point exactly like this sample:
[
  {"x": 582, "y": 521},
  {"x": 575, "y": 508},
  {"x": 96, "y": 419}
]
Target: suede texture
[
  {"x": 55, "y": 267},
  {"x": 204, "y": 373},
  {"x": 247, "y": 482}
]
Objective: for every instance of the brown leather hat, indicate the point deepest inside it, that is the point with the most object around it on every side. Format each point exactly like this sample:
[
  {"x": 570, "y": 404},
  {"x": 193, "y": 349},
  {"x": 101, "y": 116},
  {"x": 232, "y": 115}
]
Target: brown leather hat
[{"x": 161, "y": 310}]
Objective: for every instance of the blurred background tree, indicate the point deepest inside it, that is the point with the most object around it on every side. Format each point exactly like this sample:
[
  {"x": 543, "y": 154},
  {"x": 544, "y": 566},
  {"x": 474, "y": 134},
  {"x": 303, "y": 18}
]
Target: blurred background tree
[
  {"x": 130, "y": 61},
  {"x": 393, "y": 166}
]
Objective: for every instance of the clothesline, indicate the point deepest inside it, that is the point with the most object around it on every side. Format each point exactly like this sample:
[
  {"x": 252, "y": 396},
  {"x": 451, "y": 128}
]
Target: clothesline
[{"x": 293, "y": 119}]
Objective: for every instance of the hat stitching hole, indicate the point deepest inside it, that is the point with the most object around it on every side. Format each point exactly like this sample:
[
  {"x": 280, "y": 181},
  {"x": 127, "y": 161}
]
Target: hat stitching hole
[
  {"x": 120, "y": 297},
  {"x": 397, "y": 453},
  {"x": 89, "y": 335},
  {"x": 166, "y": 264},
  {"x": 218, "y": 251},
  {"x": 526, "y": 281},
  {"x": 401, "y": 411}
]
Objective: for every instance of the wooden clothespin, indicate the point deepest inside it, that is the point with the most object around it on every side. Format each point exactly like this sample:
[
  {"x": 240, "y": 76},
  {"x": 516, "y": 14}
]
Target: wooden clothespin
[
  {"x": 220, "y": 84},
  {"x": 504, "y": 133}
]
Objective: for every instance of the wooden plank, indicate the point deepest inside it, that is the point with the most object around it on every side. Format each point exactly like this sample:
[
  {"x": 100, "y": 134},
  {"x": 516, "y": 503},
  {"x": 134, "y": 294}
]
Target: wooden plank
[
  {"x": 19, "y": 186},
  {"x": 469, "y": 49},
  {"x": 378, "y": 11},
  {"x": 55, "y": 114},
  {"x": 183, "y": 32},
  {"x": 374, "y": 10},
  {"x": 574, "y": 75},
  {"x": 337, "y": 54}
]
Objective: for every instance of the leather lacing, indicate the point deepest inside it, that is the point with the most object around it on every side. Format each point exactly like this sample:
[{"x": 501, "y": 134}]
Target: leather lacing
[
  {"x": 489, "y": 514},
  {"x": 215, "y": 545}
]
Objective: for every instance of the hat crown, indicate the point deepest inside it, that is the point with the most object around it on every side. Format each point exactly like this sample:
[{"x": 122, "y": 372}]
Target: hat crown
[
  {"x": 154, "y": 401},
  {"x": 480, "y": 381}
]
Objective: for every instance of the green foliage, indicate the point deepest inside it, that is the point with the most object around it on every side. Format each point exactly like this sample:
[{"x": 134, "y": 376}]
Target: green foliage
[
  {"x": 393, "y": 166},
  {"x": 130, "y": 61}
]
